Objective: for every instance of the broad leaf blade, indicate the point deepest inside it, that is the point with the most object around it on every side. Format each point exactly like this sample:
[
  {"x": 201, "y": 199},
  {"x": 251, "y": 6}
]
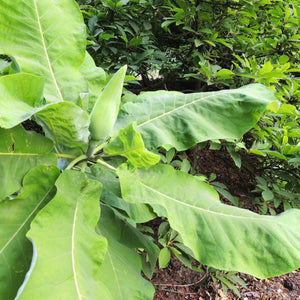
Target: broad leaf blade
[
  {"x": 48, "y": 39},
  {"x": 69, "y": 252},
  {"x": 16, "y": 216},
  {"x": 20, "y": 151},
  {"x": 222, "y": 236},
  {"x": 121, "y": 269},
  {"x": 20, "y": 97},
  {"x": 66, "y": 124},
  {"x": 129, "y": 144},
  {"x": 182, "y": 120}
]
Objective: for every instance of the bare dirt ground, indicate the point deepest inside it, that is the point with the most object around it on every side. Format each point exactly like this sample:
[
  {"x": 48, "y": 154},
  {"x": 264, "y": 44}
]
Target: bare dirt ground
[{"x": 177, "y": 282}]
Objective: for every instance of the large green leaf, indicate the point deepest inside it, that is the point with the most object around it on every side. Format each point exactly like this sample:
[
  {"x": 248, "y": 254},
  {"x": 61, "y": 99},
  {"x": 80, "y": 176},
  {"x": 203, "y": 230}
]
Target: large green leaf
[
  {"x": 222, "y": 236},
  {"x": 121, "y": 269},
  {"x": 66, "y": 124},
  {"x": 129, "y": 144},
  {"x": 47, "y": 38},
  {"x": 20, "y": 97},
  {"x": 20, "y": 151},
  {"x": 16, "y": 216},
  {"x": 69, "y": 253},
  {"x": 182, "y": 120}
]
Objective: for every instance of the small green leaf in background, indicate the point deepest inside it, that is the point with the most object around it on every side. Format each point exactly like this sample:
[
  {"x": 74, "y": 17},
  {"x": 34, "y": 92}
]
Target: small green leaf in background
[
  {"x": 16, "y": 216},
  {"x": 68, "y": 251},
  {"x": 20, "y": 151},
  {"x": 267, "y": 195},
  {"x": 129, "y": 143},
  {"x": 164, "y": 257},
  {"x": 20, "y": 97}
]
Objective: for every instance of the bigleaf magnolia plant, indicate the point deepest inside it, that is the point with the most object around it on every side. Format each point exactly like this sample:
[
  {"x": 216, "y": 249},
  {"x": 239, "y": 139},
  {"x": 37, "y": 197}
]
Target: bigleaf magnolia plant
[{"x": 72, "y": 199}]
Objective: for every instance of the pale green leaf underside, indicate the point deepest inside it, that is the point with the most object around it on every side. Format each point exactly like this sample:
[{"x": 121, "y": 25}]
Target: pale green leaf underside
[
  {"x": 66, "y": 124},
  {"x": 182, "y": 120},
  {"x": 222, "y": 236},
  {"x": 121, "y": 269},
  {"x": 15, "y": 218},
  {"x": 129, "y": 144},
  {"x": 47, "y": 38},
  {"x": 20, "y": 97},
  {"x": 20, "y": 151},
  {"x": 69, "y": 252}
]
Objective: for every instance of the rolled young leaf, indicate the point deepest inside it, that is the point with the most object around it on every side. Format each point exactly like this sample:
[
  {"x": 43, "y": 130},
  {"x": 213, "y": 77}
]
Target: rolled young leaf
[
  {"x": 16, "y": 216},
  {"x": 222, "y": 236},
  {"x": 68, "y": 251},
  {"x": 106, "y": 108}
]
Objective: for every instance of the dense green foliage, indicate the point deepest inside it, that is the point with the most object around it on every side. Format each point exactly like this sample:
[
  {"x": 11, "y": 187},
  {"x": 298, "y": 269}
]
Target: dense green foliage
[{"x": 73, "y": 197}]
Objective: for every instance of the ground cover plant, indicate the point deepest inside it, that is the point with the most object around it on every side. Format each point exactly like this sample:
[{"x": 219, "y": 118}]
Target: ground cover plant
[{"x": 73, "y": 197}]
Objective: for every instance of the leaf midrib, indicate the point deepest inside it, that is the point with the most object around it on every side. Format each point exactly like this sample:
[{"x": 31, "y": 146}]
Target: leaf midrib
[
  {"x": 256, "y": 218},
  {"x": 26, "y": 220},
  {"x": 73, "y": 251},
  {"x": 46, "y": 52},
  {"x": 184, "y": 105}
]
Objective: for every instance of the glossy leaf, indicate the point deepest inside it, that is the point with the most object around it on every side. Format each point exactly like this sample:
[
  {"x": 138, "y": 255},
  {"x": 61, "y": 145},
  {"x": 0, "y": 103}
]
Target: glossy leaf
[
  {"x": 121, "y": 269},
  {"x": 68, "y": 251},
  {"x": 20, "y": 151},
  {"x": 20, "y": 97},
  {"x": 222, "y": 236},
  {"x": 129, "y": 143},
  {"x": 47, "y": 38},
  {"x": 66, "y": 124},
  {"x": 182, "y": 120},
  {"x": 16, "y": 216}
]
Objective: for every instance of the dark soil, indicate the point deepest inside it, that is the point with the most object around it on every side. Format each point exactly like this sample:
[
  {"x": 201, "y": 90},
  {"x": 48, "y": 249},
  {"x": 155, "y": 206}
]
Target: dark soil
[{"x": 179, "y": 282}]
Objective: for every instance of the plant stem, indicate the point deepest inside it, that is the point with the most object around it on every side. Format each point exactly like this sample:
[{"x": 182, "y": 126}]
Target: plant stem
[
  {"x": 99, "y": 148},
  {"x": 76, "y": 161},
  {"x": 62, "y": 155},
  {"x": 84, "y": 164},
  {"x": 106, "y": 165}
]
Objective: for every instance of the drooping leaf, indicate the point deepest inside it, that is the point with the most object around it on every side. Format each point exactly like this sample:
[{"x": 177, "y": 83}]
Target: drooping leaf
[
  {"x": 121, "y": 269},
  {"x": 20, "y": 97},
  {"x": 47, "y": 38},
  {"x": 69, "y": 253},
  {"x": 20, "y": 151},
  {"x": 16, "y": 216},
  {"x": 66, "y": 124},
  {"x": 182, "y": 120},
  {"x": 129, "y": 143},
  {"x": 222, "y": 236}
]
